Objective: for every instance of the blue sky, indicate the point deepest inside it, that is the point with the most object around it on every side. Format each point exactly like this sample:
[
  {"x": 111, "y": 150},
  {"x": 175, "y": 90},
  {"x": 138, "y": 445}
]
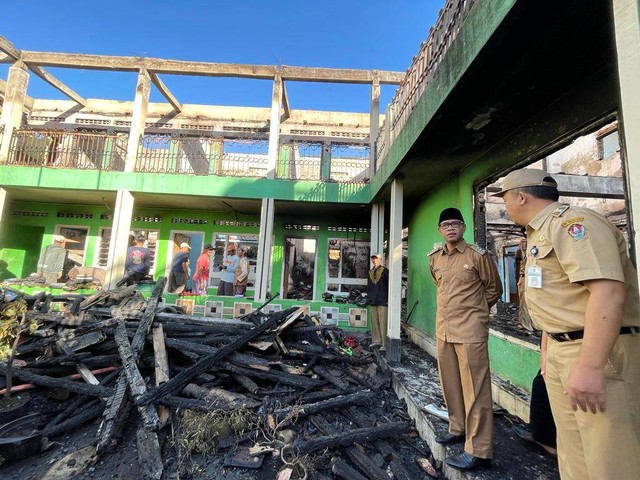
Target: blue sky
[{"x": 363, "y": 34}]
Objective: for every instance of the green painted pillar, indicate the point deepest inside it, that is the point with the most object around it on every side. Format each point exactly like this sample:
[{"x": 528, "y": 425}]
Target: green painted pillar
[{"x": 325, "y": 162}]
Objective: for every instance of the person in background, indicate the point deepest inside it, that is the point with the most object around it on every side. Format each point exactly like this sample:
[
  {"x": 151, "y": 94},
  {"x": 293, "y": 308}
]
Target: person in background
[
  {"x": 52, "y": 260},
  {"x": 524, "y": 319},
  {"x": 179, "y": 269},
  {"x": 201, "y": 277},
  {"x": 242, "y": 273},
  {"x": 378, "y": 294},
  {"x": 228, "y": 267},
  {"x": 138, "y": 262},
  {"x": 468, "y": 285},
  {"x": 582, "y": 292}
]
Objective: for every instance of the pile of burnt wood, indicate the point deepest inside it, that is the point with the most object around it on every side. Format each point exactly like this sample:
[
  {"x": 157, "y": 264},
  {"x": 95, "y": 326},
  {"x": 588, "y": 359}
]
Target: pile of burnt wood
[{"x": 281, "y": 385}]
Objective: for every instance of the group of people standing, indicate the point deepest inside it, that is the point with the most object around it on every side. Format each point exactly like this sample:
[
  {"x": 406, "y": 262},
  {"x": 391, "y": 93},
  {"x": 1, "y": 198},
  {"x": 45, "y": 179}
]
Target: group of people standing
[
  {"x": 234, "y": 268},
  {"x": 581, "y": 290}
]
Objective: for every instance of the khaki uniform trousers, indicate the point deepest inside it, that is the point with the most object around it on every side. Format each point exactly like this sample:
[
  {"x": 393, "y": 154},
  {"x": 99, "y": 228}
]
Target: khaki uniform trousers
[
  {"x": 524, "y": 319},
  {"x": 601, "y": 446},
  {"x": 378, "y": 324},
  {"x": 466, "y": 385}
]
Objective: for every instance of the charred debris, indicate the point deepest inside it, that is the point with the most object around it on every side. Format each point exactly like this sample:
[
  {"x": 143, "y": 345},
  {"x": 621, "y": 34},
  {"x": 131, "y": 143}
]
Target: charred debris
[{"x": 277, "y": 391}]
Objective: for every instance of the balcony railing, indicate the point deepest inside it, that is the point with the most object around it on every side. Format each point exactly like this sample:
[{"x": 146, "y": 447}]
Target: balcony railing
[
  {"x": 203, "y": 155},
  {"x": 425, "y": 63},
  {"x": 343, "y": 163},
  {"x": 63, "y": 149}
]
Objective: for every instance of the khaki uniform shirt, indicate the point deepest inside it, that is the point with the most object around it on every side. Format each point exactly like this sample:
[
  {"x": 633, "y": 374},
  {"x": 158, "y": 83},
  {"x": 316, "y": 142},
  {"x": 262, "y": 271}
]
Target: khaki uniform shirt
[
  {"x": 468, "y": 286},
  {"x": 574, "y": 245}
]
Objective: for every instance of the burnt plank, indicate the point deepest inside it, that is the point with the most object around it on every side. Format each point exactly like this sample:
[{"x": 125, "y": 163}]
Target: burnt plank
[
  {"x": 325, "y": 373},
  {"x": 314, "y": 408},
  {"x": 137, "y": 385},
  {"x": 63, "y": 383},
  {"x": 341, "y": 469},
  {"x": 358, "y": 435},
  {"x": 359, "y": 458},
  {"x": 181, "y": 379},
  {"x": 161, "y": 364},
  {"x": 149, "y": 454}
]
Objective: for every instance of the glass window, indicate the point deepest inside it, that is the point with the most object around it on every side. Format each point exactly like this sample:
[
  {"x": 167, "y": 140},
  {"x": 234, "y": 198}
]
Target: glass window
[
  {"x": 609, "y": 144},
  {"x": 347, "y": 264}
]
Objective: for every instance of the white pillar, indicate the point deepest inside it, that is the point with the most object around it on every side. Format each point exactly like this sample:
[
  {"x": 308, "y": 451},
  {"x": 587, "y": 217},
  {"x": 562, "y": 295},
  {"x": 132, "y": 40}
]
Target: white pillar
[
  {"x": 3, "y": 204},
  {"x": 12, "y": 106},
  {"x": 395, "y": 271},
  {"x": 377, "y": 227},
  {"x": 274, "y": 126},
  {"x": 138, "y": 119},
  {"x": 627, "y": 30},
  {"x": 121, "y": 225},
  {"x": 263, "y": 269},
  {"x": 374, "y": 120}
]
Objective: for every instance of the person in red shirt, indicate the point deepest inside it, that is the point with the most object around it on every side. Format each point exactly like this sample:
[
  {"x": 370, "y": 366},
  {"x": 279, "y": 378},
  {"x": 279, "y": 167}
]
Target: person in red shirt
[{"x": 201, "y": 276}]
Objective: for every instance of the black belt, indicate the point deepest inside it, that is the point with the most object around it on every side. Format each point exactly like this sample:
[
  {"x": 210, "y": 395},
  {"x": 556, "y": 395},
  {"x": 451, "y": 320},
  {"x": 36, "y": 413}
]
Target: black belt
[{"x": 578, "y": 334}]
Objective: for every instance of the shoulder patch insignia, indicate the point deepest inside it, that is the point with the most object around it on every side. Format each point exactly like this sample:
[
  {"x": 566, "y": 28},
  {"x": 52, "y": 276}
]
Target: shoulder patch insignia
[
  {"x": 577, "y": 231},
  {"x": 572, "y": 220},
  {"x": 436, "y": 247},
  {"x": 477, "y": 248},
  {"x": 558, "y": 212}
]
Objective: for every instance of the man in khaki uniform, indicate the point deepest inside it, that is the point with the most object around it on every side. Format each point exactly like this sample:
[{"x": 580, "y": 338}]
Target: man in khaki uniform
[
  {"x": 468, "y": 285},
  {"x": 582, "y": 291}
]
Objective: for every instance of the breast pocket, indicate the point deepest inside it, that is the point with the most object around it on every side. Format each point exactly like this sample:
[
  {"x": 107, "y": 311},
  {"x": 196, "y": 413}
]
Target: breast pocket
[
  {"x": 466, "y": 275},
  {"x": 548, "y": 261}
]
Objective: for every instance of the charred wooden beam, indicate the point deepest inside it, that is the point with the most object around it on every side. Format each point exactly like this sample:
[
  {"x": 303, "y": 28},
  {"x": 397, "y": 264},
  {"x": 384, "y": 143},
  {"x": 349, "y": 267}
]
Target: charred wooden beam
[
  {"x": 161, "y": 363},
  {"x": 314, "y": 408},
  {"x": 86, "y": 415},
  {"x": 248, "y": 384},
  {"x": 118, "y": 405},
  {"x": 343, "y": 470},
  {"x": 137, "y": 385},
  {"x": 236, "y": 358},
  {"x": 81, "y": 367},
  {"x": 149, "y": 455},
  {"x": 359, "y": 458},
  {"x": 347, "y": 438},
  {"x": 281, "y": 377},
  {"x": 178, "y": 382},
  {"x": 220, "y": 398},
  {"x": 325, "y": 373},
  {"x": 63, "y": 383}
]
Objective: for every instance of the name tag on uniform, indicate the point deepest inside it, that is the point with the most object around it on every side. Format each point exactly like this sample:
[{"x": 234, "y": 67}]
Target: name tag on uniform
[{"x": 534, "y": 277}]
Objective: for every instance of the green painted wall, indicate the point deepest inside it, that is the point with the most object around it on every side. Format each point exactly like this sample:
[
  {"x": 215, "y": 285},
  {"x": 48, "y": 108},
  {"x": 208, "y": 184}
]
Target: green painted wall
[
  {"x": 172, "y": 184},
  {"x": 26, "y": 235},
  {"x": 513, "y": 362}
]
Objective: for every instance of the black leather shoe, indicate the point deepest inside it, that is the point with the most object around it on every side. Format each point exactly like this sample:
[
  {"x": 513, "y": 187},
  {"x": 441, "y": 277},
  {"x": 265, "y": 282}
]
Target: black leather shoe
[
  {"x": 466, "y": 461},
  {"x": 450, "y": 439}
]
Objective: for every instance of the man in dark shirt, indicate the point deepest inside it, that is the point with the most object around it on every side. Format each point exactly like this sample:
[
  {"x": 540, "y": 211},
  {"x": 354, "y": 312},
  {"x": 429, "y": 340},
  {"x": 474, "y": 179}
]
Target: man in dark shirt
[
  {"x": 378, "y": 293},
  {"x": 138, "y": 261},
  {"x": 180, "y": 269}
]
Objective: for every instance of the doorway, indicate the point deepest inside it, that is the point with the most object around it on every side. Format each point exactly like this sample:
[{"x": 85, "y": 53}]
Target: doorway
[{"x": 299, "y": 268}]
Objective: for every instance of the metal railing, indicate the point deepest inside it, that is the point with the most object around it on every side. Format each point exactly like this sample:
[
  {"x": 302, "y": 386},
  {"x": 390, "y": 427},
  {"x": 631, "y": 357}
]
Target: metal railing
[
  {"x": 202, "y": 155},
  {"x": 166, "y": 153},
  {"x": 84, "y": 150},
  {"x": 300, "y": 161},
  {"x": 425, "y": 63}
]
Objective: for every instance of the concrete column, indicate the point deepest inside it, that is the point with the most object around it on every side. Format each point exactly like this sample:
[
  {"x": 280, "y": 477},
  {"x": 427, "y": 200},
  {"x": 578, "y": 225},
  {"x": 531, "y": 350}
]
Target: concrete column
[
  {"x": 14, "y": 97},
  {"x": 377, "y": 227},
  {"x": 325, "y": 162},
  {"x": 4, "y": 201},
  {"x": 374, "y": 120},
  {"x": 394, "y": 262},
  {"x": 626, "y": 17},
  {"x": 274, "y": 126},
  {"x": 263, "y": 269},
  {"x": 138, "y": 119},
  {"x": 120, "y": 227}
]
